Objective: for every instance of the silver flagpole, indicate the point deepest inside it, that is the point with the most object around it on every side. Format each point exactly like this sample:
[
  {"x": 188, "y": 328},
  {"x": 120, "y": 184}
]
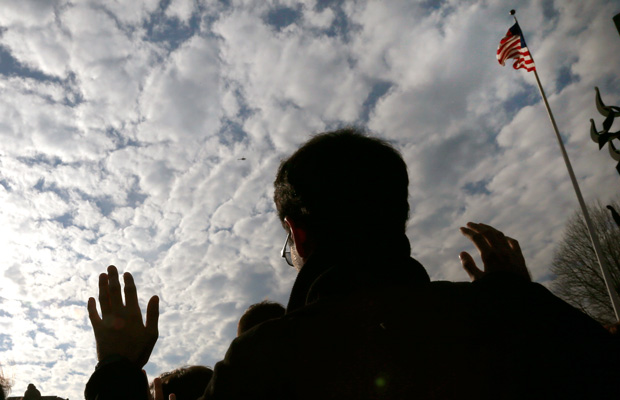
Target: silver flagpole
[{"x": 615, "y": 300}]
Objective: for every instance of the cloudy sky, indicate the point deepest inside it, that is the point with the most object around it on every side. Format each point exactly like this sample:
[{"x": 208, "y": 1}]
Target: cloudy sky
[{"x": 146, "y": 134}]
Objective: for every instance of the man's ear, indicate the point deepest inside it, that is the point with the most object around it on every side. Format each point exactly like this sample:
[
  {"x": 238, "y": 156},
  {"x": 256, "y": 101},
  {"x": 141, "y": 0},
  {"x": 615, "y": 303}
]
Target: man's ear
[{"x": 303, "y": 244}]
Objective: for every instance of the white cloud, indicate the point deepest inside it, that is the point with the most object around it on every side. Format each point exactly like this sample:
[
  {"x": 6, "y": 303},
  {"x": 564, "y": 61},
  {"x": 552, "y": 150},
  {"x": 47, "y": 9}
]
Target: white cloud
[
  {"x": 181, "y": 9},
  {"x": 28, "y": 13},
  {"x": 180, "y": 101},
  {"x": 319, "y": 19},
  {"x": 278, "y": 81}
]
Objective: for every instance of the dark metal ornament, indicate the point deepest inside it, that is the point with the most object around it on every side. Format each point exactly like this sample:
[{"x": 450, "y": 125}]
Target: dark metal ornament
[
  {"x": 605, "y": 136},
  {"x": 614, "y": 215}
]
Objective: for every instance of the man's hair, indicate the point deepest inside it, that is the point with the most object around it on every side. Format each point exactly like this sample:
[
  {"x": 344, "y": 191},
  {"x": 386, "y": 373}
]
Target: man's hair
[
  {"x": 344, "y": 179},
  {"x": 258, "y": 313},
  {"x": 185, "y": 382}
]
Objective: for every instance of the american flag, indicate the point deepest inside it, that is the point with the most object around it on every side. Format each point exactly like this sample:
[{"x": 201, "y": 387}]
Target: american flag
[{"x": 513, "y": 46}]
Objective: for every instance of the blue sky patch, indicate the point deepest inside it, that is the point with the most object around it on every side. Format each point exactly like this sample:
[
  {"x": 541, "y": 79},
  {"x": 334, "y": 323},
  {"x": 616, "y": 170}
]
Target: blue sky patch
[
  {"x": 66, "y": 220},
  {"x": 10, "y": 66},
  {"x": 281, "y": 17},
  {"x": 342, "y": 27},
  {"x": 231, "y": 132},
  {"x": 476, "y": 188},
  {"x": 379, "y": 89},
  {"x": 6, "y": 342},
  {"x": 162, "y": 29},
  {"x": 5, "y": 184},
  {"x": 526, "y": 97},
  {"x": 565, "y": 77}
]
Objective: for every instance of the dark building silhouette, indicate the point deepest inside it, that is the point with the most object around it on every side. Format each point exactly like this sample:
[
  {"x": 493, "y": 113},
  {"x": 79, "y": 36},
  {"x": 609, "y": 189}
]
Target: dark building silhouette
[
  {"x": 42, "y": 398},
  {"x": 32, "y": 393}
]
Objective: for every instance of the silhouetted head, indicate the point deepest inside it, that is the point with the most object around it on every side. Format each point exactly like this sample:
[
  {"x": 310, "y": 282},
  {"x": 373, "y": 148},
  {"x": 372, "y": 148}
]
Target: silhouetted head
[
  {"x": 187, "y": 383},
  {"x": 32, "y": 393},
  {"x": 258, "y": 313},
  {"x": 345, "y": 189}
]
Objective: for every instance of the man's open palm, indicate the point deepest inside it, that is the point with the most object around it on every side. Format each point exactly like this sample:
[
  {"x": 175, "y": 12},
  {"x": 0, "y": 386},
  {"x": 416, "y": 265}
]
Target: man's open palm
[{"x": 120, "y": 329}]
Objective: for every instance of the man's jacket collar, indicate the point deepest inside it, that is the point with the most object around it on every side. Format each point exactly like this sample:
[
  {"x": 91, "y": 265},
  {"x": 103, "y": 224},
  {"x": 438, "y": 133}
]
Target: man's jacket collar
[{"x": 326, "y": 275}]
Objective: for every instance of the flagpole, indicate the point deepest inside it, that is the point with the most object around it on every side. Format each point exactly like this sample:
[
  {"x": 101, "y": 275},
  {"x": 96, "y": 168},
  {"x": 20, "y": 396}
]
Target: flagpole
[{"x": 615, "y": 300}]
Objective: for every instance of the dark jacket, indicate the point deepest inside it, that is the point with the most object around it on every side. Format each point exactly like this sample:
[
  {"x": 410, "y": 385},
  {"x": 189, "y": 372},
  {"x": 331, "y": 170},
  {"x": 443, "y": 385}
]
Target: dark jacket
[
  {"x": 376, "y": 328},
  {"x": 360, "y": 331}
]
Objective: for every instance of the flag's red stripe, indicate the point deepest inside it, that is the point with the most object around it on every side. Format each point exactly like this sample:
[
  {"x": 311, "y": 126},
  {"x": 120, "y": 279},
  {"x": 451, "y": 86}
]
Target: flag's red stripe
[
  {"x": 510, "y": 47},
  {"x": 507, "y": 48},
  {"x": 507, "y": 53}
]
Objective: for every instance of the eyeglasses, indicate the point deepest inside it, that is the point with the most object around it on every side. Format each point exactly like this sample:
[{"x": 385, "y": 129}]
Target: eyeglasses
[{"x": 286, "y": 250}]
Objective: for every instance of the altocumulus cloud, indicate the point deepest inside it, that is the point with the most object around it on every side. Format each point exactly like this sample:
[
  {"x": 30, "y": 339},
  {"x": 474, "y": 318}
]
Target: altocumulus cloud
[{"x": 124, "y": 125}]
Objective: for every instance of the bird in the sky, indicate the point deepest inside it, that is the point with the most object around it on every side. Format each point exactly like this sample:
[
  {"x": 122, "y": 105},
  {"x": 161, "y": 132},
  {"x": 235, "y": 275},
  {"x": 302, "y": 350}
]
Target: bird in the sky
[{"x": 241, "y": 159}]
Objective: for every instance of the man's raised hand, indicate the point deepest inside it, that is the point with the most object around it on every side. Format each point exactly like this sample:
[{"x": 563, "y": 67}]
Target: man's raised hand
[
  {"x": 498, "y": 252},
  {"x": 120, "y": 330},
  {"x": 159, "y": 391}
]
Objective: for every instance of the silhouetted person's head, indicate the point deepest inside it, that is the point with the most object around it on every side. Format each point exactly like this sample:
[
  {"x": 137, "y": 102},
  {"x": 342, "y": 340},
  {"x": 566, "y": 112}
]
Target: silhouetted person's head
[
  {"x": 187, "y": 383},
  {"x": 258, "y": 313},
  {"x": 32, "y": 393},
  {"x": 343, "y": 191}
]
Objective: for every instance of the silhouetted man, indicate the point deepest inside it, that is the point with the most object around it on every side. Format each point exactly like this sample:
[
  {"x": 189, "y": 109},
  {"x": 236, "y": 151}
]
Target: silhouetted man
[{"x": 363, "y": 320}]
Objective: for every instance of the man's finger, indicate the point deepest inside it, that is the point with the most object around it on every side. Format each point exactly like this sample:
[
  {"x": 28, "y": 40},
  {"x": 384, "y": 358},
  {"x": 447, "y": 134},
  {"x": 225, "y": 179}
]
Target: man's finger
[
  {"x": 494, "y": 237},
  {"x": 519, "y": 260},
  {"x": 104, "y": 295},
  {"x": 159, "y": 392},
  {"x": 469, "y": 265},
  {"x": 479, "y": 240},
  {"x": 131, "y": 295},
  {"x": 516, "y": 249},
  {"x": 486, "y": 228},
  {"x": 93, "y": 315},
  {"x": 514, "y": 244},
  {"x": 149, "y": 395},
  {"x": 116, "y": 299},
  {"x": 152, "y": 316}
]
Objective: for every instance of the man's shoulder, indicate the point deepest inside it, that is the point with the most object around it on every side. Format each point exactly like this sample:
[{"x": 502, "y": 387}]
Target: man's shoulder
[
  {"x": 510, "y": 305},
  {"x": 432, "y": 306},
  {"x": 425, "y": 336}
]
